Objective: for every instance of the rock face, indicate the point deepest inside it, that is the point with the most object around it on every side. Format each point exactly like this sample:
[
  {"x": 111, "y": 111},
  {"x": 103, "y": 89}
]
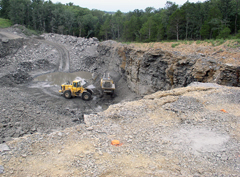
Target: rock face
[{"x": 152, "y": 70}]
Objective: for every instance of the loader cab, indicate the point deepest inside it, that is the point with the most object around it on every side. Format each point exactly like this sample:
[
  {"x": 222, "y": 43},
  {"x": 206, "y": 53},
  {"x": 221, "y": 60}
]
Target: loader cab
[
  {"x": 77, "y": 87},
  {"x": 77, "y": 83}
]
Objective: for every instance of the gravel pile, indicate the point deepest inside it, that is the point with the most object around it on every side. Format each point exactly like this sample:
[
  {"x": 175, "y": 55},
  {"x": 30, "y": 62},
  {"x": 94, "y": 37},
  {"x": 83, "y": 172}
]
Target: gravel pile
[{"x": 34, "y": 55}]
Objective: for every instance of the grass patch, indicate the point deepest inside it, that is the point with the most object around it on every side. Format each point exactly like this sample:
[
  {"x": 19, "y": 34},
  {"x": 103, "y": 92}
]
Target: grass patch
[
  {"x": 190, "y": 42},
  {"x": 28, "y": 32},
  {"x": 198, "y": 42},
  {"x": 212, "y": 41},
  {"x": 220, "y": 41},
  {"x": 185, "y": 42},
  {"x": 237, "y": 40},
  {"x": 5, "y": 23},
  {"x": 216, "y": 42},
  {"x": 235, "y": 43},
  {"x": 174, "y": 45}
]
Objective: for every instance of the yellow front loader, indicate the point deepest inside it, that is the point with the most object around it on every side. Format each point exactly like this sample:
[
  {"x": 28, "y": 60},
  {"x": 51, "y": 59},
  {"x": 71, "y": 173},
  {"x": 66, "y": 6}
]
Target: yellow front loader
[{"x": 75, "y": 89}]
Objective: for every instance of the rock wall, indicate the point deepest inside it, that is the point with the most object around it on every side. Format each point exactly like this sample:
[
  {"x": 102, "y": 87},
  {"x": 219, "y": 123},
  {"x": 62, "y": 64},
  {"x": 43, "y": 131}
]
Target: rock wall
[{"x": 152, "y": 70}]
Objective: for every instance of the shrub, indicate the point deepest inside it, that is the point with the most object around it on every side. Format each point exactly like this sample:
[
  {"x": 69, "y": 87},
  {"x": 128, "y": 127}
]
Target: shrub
[
  {"x": 190, "y": 42},
  {"x": 198, "y": 42},
  {"x": 238, "y": 34},
  {"x": 224, "y": 33},
  {"x": 174, "y": 45},
  {"x": 220, "y": 41},
  {"x": 26, "y": 31}
]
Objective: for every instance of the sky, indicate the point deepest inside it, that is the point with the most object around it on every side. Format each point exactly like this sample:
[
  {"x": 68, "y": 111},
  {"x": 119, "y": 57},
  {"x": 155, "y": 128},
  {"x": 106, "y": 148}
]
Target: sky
[{"x": 122, "y": 5}]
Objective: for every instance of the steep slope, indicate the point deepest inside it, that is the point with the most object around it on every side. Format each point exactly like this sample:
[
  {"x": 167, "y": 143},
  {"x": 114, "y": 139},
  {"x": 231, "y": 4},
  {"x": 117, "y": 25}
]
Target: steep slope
[{"x": 149, "y": 70}]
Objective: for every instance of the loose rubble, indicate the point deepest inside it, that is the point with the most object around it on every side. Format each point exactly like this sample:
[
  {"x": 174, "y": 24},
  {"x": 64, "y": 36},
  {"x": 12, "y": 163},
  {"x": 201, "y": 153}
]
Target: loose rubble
[{"x": 162, "y": 139}]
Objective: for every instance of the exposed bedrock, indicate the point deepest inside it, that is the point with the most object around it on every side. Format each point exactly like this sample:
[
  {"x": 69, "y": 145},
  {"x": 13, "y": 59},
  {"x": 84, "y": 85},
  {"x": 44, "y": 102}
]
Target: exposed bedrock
[{"x": 152, "y": 70}]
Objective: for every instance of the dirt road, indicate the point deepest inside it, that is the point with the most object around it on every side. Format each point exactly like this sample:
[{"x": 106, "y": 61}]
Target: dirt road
[
  {"x": 7, "y": 35},
  {"x": 63, "y": 56}
]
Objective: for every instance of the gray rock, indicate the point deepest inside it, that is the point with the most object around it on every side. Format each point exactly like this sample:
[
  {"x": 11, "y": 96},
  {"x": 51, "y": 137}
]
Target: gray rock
[
  {"x": 17, "y": 124},
  {"x": 20, "y": 108},
  {"x": 89, "y": 128},
  {"x": 24, "y": 155},
  {"x": 1, "y": 169},
  {"x": 4, "y": 147}
]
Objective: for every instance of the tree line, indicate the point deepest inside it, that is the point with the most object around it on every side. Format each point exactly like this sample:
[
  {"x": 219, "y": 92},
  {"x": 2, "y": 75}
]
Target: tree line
[{"x": 207, "y": 20}]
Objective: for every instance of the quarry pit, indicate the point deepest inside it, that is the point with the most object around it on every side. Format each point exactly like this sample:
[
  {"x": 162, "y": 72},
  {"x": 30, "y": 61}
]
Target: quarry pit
[{"x": 176, "y": 114}]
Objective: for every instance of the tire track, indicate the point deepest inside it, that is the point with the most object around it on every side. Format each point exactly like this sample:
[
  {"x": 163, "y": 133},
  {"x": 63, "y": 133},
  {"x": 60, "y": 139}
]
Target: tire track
[
  {"x": 64, "y": 56},
  {"x": 63, "y": 63}
]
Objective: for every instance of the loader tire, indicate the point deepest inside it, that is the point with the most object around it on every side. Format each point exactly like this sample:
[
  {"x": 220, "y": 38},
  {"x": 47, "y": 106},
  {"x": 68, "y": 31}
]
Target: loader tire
[
  {"x": 67, "y": 94},
  {"x": 86, "y": 96},
  {"x": 113, "y": 94}
]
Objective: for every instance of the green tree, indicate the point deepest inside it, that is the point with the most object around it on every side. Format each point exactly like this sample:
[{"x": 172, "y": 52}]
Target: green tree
[
  {"x": 147, "y": 29},
  {"x": 235, "y": 13},
  {"x": 132, "y": 29},
  {"x": 118, "y": 22},
  {"x": 226, "y": 8},
  {"x": 48, "y": 7},
  {"x": 105, "y": 29},
  {"x": 191, "y": 19},
  {"x": 4, "y": 8},
  {"x": 160, "y": 32},
  {"x": 205, "y": 30},
  {"x": 214, "y": 20},
  {"x": 175, "y": 21},
  {"x": 20, "y": 11},
  {"x": 38, "y": 17},
  {"x": 57, "y": 20},
  {"x": 68, "y": 20}
]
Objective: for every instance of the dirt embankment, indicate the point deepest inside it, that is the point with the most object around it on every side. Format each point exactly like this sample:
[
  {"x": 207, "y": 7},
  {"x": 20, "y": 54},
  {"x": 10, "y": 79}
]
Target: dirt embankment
[{"x": 190, "y": 131}]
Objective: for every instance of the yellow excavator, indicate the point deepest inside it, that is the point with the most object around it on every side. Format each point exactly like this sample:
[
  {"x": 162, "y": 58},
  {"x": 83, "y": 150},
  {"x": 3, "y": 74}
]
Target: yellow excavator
[
  {"x": 107, "y": 85},
  {"x": 76, "y": 89}
]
